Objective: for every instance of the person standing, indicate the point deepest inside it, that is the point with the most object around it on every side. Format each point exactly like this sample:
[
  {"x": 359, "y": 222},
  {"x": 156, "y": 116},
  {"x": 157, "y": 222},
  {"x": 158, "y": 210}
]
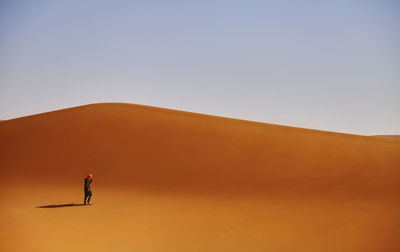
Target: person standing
[{"x": 88, "y": 192}]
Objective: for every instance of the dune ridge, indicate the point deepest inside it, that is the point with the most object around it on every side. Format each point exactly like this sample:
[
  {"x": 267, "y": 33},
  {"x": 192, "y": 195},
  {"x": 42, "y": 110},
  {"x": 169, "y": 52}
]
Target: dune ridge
[{"x": 141, "y": 146}]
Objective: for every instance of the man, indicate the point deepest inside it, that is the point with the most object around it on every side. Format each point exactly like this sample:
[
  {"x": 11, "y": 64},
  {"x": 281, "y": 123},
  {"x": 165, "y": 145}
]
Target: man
[{"x": 88, "y": 192}]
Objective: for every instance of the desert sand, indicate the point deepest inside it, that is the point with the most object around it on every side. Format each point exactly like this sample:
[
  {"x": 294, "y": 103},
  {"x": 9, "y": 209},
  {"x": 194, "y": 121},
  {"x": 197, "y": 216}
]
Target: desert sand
[
  {"x": 167, "y": 180},
  {"x": 393, "y": 137}
]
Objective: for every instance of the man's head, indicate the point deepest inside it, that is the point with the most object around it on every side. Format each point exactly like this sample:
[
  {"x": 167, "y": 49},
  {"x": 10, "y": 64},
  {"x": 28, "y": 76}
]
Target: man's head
[{"x": 90, "y": 176}]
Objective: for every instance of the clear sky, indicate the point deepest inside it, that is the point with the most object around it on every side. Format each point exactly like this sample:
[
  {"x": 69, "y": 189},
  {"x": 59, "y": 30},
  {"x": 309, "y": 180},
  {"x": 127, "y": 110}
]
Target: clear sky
[{"x": 329, "y": 65}]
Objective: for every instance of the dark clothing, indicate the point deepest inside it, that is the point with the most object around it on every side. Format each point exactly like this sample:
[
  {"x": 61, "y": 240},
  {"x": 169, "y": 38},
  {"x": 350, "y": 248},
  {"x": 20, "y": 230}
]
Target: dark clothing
[
  {"x": 87, "y": 184},
  {"x": 88, "y": 196},
  {"x": 88, "y": 192}
]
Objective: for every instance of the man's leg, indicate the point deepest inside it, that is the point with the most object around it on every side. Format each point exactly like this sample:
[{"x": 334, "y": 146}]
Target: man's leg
[
  {"x": 86, "y": 195},
  {"x": 90, "y": 196}
]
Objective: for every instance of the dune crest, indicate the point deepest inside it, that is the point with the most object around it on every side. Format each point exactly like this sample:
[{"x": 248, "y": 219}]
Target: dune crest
[{"x": 138, "y": 146}]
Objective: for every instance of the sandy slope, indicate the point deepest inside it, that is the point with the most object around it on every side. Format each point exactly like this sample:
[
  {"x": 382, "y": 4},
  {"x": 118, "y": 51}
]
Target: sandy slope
[
  {"x": 393, "y": 137},
  {"x": 168, "y": 180}
]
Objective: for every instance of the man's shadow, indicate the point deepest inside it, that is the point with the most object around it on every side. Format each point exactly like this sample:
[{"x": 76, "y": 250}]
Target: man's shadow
[{"x": 61, "y": 205}]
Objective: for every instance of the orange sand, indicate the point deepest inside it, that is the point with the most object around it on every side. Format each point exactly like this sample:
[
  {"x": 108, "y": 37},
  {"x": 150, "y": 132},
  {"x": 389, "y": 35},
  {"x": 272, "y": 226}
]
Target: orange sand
[
  {"x": 168, "y": 180},
  {"x": 393, "y": 137}
]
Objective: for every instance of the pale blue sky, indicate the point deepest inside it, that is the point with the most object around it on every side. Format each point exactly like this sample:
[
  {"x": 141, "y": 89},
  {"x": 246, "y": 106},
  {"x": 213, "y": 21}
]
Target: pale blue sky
[{"x": 329, "y": 65}]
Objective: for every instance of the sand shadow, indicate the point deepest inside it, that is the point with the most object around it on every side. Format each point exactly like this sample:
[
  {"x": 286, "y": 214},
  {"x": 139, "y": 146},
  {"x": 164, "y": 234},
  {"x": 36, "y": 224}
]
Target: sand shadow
[{"x": 61, "y": 205}]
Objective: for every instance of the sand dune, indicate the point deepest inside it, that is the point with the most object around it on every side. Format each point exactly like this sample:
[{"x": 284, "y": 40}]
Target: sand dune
[
  {"x": 169, "y": 180},
  {"x": 393, "y": 137}
]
